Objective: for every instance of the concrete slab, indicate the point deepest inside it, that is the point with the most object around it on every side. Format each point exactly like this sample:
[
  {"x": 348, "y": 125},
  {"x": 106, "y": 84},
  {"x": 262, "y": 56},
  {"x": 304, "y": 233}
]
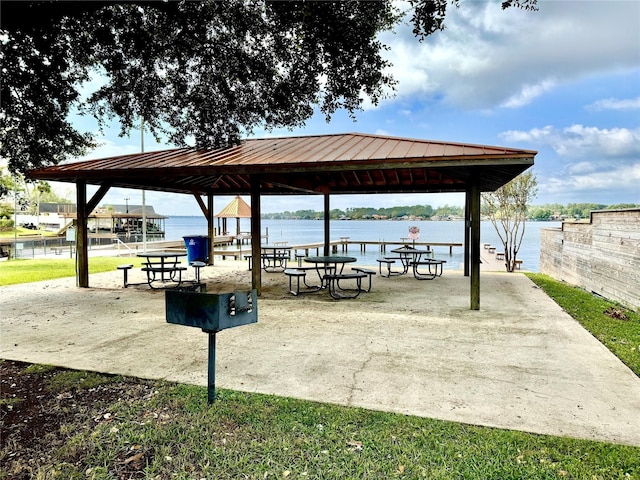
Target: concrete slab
[{"x": 409, "y": 346}]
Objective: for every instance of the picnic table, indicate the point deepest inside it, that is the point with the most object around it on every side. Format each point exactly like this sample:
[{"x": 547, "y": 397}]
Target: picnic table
[
  {"x": 163, "y": 267},
  {"x": 274, "y": 257},
  {"x": 407, "y": 255},
  {"x": 330, "y": 269},
  {"x": 329, "y": 264}
]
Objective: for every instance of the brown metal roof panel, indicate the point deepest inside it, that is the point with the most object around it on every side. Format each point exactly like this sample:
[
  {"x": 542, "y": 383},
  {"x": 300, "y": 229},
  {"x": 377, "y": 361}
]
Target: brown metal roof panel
[
  {"x": 400, "y": 150},
  {"x": 358, "y": 148},
  {"x": 334, "y": 149},
  {"x": 320, "y": 149},
  {"x": 386, "y": 148},
  {"x": 249, "y": 152},
  {"x": 379, "y": 148},
  {"x": 276, "y": 150},
  {"x": 420, "y": 149}
]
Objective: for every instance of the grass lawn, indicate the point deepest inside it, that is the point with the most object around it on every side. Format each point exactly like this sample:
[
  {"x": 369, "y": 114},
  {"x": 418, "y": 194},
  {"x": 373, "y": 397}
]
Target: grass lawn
[
  {"x": 109, "y": 427},
  {"x": 33, "y": 270},
  {"x": 149, "y": 429},
  {"x": 21, "y": 232}
]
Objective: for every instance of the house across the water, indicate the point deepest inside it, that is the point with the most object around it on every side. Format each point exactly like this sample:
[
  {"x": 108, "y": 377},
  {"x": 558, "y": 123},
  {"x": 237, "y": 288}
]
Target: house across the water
[{"x": 124, "y": 221}]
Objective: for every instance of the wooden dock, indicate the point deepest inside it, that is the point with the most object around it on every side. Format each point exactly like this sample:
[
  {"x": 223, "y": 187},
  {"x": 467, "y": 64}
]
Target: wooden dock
[
  {"x": 340, "y": 246},
  {"x": 382, "y": 245},
  {"x": 492, "y": 259}
]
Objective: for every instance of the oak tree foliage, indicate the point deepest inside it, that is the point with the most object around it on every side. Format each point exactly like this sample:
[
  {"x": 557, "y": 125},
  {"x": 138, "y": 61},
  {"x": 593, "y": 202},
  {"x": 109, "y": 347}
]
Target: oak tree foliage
[{"x": 198, "y": 72}]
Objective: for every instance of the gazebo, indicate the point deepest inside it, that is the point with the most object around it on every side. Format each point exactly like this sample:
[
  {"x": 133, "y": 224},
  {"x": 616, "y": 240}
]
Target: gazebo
[
  {"x": 350, "y": 163},
  {"x": 237, "y": 208}
]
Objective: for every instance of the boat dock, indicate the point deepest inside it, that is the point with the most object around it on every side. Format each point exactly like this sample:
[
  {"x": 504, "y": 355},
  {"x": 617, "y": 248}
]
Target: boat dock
[
  {"x": 342, "y": 245},
  {"x": 382, "y": 244}
]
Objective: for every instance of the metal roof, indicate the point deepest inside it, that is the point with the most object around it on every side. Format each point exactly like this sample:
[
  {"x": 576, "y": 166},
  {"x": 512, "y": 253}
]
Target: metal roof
[
  {"x": 237, "y": 208},
  {"x": 337, "y": 164}
]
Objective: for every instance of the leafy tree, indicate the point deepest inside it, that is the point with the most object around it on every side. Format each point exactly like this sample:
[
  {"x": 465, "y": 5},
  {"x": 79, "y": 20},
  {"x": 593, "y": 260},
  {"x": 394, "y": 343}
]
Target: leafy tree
[
  {"x": 622, "y": 206},
  {"x": 507, "y": 210},
  {"x": 539, "y": 213},
  {"x": 336, "y": 214},
  {"x": 207, "y": 70},
  {"x": 449, "y": 210},
  {"x": 6, "y": 184}
]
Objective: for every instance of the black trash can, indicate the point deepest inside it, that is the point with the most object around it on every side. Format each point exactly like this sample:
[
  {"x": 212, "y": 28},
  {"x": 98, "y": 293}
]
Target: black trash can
[{"x": 197, "y": 248}]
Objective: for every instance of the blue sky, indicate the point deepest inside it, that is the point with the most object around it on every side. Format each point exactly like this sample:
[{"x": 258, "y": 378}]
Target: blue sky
[{"x": 564, "y": 81}]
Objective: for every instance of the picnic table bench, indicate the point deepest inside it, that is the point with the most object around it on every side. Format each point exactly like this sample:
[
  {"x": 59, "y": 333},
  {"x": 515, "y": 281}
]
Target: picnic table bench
[
  {"x": 429, "y": 263},
  {"x": 298, "y": 274},
  {"x": 332, "y": 277},
  {"x": 388, "y": 261},
  {"x": 333, "y": 280}
]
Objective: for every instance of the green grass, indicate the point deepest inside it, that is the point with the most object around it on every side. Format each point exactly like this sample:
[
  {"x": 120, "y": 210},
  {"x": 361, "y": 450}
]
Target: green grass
[
  {"x": 25, "y": 271},
  {"x": 621, "y": 336},
  {"x": 21, "y": 231},
  {"x": 169, "y": 431},
  {"x": 261, "y": 436}
]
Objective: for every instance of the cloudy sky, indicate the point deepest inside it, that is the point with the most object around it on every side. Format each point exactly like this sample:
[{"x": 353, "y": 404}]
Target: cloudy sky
[{"x": 564, "y": 81}]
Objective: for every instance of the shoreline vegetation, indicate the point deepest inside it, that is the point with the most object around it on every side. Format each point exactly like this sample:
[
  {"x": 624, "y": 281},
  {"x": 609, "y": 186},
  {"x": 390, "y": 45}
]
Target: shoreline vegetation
[
  {"x": 547, "y": 212},
  {"x": 92, "y": 425}
]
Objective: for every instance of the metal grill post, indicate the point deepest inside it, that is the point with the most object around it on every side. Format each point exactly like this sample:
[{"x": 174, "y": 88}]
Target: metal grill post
[
  {"x": 211, "y": 383},
  {"x": 211, "y": 313}
]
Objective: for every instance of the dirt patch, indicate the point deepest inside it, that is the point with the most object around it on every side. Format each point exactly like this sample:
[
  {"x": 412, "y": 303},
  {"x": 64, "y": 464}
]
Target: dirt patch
[{"x": 37, "y": 417}]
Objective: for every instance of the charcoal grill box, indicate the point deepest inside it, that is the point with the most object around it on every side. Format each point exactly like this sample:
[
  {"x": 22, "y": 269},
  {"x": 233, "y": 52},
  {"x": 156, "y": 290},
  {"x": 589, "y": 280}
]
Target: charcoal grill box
[{"x": 211, "y": 312}]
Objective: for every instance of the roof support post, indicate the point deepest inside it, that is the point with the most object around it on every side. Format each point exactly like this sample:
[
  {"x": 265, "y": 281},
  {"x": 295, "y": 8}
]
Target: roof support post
[
  {"x": 474, "y": 203},
  {"x": 256, "y": 229},
  {"x": 327, "y": 225},
  {"x": 467, "y": 232},
  {"x": 82, "y": 253},
  {"x": 83, "y": 210},
  {"x": 211, "y": 228}
]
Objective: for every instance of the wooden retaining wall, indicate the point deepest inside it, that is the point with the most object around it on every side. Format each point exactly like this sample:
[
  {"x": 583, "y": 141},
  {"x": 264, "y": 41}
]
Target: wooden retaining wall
[{"x": 602, "y": 255}]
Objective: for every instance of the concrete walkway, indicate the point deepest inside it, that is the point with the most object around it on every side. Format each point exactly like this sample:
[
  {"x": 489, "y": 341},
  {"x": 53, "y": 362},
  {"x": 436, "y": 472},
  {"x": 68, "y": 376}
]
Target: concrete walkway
[{"x": 409, "y": 346}]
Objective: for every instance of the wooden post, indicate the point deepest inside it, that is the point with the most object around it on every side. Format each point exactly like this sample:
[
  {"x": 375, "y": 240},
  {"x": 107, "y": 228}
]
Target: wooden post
[
  {"x": 256, "y": 228},
  {"x": 82, "y": 250},
  {"x": 327, "y": 224},
  {"x": 467, "y": 232},
  {"x": 211, "y": 230},
  {"x": 474, "y": 201}
]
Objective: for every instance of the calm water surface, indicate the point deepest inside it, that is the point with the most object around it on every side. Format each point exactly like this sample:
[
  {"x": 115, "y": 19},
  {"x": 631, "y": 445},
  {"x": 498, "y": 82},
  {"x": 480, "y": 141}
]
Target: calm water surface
[{"x": 297, "y": 232}]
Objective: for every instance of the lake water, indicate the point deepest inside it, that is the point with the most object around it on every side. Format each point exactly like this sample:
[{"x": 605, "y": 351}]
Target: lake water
[{"x": 297, "y": 232}]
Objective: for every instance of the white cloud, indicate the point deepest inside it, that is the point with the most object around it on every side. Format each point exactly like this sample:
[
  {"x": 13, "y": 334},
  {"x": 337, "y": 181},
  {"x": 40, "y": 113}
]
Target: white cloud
[
  {"x": 601, "y": 165},
  {"x": 528, "y": 93},
  {"x": 488, "y": 57},
  {"x": 578, "y": 141},
  {"x": 615, "y": 181},
  {"x": 615, "y": 104}
]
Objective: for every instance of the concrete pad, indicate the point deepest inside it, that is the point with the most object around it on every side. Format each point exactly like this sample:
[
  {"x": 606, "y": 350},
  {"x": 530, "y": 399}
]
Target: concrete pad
[{"x": 409, "y": 346}]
